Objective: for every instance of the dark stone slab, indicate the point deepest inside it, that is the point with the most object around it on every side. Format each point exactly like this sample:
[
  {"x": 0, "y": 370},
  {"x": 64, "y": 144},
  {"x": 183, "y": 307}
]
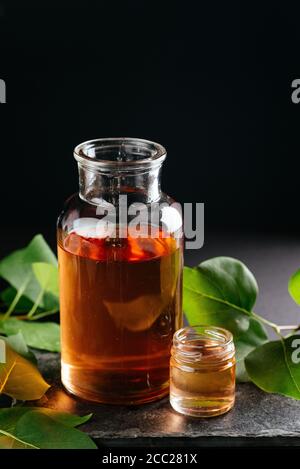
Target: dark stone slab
[{"x": 256, "y": 415}]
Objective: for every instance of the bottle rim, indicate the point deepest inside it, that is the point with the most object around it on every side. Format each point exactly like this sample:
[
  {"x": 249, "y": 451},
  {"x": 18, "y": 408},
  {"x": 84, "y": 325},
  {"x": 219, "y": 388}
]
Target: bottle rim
[
  {"x": 120, "y": 153},
  {"x": 190, "y": 342},
  {"x": 221, "y": 336}
]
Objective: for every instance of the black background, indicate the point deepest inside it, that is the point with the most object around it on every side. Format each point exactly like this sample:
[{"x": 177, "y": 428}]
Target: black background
[{"x": 211, "y": 81}]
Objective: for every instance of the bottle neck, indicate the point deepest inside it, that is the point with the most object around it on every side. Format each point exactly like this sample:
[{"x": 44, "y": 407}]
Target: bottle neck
[{"x": 139, "y": 186}]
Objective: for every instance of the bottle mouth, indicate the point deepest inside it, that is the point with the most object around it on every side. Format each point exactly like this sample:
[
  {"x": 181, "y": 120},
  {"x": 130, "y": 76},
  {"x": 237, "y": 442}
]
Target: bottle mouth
[
  {"x": 120, "y": 153},
  {"x": 201, "y": 342}
]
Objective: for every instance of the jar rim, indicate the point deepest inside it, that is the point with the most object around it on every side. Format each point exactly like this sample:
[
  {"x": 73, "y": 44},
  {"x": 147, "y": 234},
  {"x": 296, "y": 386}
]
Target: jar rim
[
  {"x": 129, "y": 153},
  {"x": 221, "y": 337}
]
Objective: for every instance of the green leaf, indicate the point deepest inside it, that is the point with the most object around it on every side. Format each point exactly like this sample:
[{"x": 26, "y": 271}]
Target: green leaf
[
  {"x": 47, "y": 276},
  {"x": 220, "y": 291},
  {"x": 40, "y": 335},
  {"x": 294, "y": 286},
  {"x": 275, "y": 366},
  {"x": 19, "y": 378},
  {"x": 17, "y": 270},
  {"x": 71, "y": 420},
  {"x": 43, "y": 432},
  {"x": 10, "y": 416},
  {"x": 42, "y": 428},
  {"x": 18, "y": 344},
  {"x": 244, "y": 344}
]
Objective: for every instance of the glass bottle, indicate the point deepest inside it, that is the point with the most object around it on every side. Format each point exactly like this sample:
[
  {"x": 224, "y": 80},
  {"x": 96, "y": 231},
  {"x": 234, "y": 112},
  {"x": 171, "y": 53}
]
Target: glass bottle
[
  {"x": 202, "y": 371},
  {"x": 120, "y": 285}
]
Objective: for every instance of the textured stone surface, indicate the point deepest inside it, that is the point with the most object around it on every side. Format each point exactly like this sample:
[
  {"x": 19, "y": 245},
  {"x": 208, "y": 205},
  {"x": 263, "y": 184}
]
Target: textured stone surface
[{"x": 256, "y": 414}]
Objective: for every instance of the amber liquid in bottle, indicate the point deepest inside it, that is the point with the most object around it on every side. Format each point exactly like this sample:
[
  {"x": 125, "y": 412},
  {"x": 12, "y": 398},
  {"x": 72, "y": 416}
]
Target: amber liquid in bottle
[{"x": 120, "y": 305}]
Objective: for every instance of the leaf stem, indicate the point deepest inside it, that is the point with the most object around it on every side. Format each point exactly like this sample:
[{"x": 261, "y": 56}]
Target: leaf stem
[
  {"x": 265, "y": 321},
  {"x": 42, "y": 315},
  {"x": 15, "y": 300},
  {"x": 36, "y": 304},
  {"x": 289, "y": 328},
  {"x": 276, "y": 327}
]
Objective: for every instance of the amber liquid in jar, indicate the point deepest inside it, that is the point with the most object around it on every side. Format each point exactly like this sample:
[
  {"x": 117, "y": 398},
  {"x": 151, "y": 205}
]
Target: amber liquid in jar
[
  {"x": 202, "y": 371},
  {"x": 120, "y": 305}
]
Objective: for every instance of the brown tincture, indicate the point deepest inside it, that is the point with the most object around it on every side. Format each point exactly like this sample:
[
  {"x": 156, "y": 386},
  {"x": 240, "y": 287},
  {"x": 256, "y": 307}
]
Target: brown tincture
[
  {"x": 202, "y": 372},
  {"x": 120, "y": 305}
]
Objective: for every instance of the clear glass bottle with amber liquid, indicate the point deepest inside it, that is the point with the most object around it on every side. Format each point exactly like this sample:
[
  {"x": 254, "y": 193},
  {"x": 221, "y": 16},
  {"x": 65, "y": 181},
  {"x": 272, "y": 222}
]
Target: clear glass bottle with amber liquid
[{"x": 120, "y": 268}]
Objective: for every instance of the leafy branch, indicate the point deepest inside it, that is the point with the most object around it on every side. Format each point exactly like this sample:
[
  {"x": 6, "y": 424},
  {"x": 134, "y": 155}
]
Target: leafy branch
[
  {"x": 222, "y": 291},
  {"x": 32, "y": 275},
  {"x": 32, "y": 294},
  {"x": 27, "y": 427}
]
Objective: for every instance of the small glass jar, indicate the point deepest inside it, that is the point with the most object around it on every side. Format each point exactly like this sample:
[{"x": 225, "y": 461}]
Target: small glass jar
[{"x": 202, "y": 371}]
